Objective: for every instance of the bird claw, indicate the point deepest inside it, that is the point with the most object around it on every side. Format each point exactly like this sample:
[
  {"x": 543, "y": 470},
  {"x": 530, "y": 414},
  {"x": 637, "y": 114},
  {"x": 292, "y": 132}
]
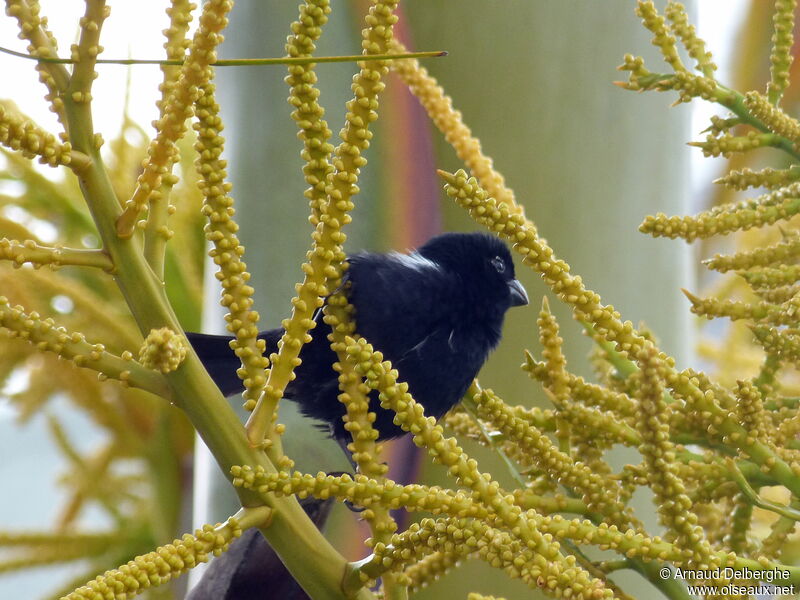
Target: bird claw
[
  {"x": 348, "y": 503},
  {"x": 353, "y": 508}
]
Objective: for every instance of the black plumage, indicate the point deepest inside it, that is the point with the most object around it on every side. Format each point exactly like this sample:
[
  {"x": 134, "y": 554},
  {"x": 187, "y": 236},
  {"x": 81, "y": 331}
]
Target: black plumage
[{"x": 435, "y": 313}]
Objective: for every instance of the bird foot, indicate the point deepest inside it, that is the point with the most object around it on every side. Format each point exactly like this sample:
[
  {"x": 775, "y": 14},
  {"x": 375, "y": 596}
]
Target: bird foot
[
  {"x": 353, "y": 508},
  {"x": 348, "y": 503}
]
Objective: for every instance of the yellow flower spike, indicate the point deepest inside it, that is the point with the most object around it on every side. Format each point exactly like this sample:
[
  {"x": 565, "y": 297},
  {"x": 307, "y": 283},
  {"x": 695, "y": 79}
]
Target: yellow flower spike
[
  {"x": 157, "y": 233},
  {"x": 556, "y": 365},
  {"x": 163, "y": 350},
  {"x": 674, "y": 506},
  {"x": 767, "y": 177},
  {"x": 772, "y": 277},
  {"x": 785, "y": 251},
  {"x": 581, "y": 391},
  {"x": 22, "y": 135},
  {"x": 781, "y": 56},
  {"x": 42, "y": 43},
  {"x": 426, "y": 433},
  {"x": 429, "y": 569},
  {"x": 365, "y": 450},
  {"x": 161, "y": 565},
  {"x": 783, "y": 343},
  {"x": 361, "y": 490},
  {"x": 227, "y": 252},
  {"x": 439, "y": 107},
  {"x": 179, "y": 107},
  {"x": 477, "y": 596},
  {"x": 767, "y": 209},
  {"x": 662, "y": 38},
  {"x": 28, "y": 251},
  {"x": 324, "y": 267},
  {"x": 87, "y": 49},
  {"x": 303, "y": 98},
  {"x": 775, "y": 542},
  {"x": 695, "y": 46},
  {"x": 555, "y": 362},
  {"x": 601, "y": 496},
  {"x": 420, "y": 545},
  {"x": 765, "y": 312},
  {"x": 751, "y": 410},
  {"x": 47, "y": 336},
  {"x": 772, "y": 116},
  {"x": 726, "y": 144}
]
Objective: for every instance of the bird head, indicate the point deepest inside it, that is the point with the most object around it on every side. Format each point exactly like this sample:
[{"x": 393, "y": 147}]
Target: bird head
[{"x": 483, "y": 264}]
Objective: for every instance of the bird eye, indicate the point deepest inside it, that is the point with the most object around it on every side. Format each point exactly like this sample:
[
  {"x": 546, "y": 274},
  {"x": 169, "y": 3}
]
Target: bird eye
[{"x": 498, "y": 264}]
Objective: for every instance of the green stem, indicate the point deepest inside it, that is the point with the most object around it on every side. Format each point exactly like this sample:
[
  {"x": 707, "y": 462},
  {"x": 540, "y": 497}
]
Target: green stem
[
  {"x": 236, "y": 62},
  {"x": 752, "y": 495},
  {"x": 311, "y": 559},
  {"x": 734, "y": 101}
]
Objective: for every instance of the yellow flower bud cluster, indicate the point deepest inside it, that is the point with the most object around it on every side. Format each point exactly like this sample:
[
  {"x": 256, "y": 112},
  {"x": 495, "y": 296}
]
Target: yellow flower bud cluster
[
  {"x": 29, "y": 252},
  {"x": 751, "y": 410},
  {"x": 171, "y": 126},
  {"x": 600, "y": 496},
  {"x": 662, "y": 37},
  {"x": 767, "y": 177},
  {"x": 782, "y": 41},
  {"x": 227, "y": 251},
  {"x": 767, "y": 209},
  {"x": 359, "y": 419},
  {"x": 688, "y": 85},
  {"x": 784, "y": 343},
  {"x": 695, "y": 46},
  {"x": 772, "y": 277},
  {"x": 22, "y": 135},
  {"x": 785, "y": 251},
  {"x": 498, "y": 548},
  {"x": 430, "y": 568},
  {"x": 588, "y": 394},
  {"x": 304, "y": 98},
  {"x": 180, "y": 16},
  {"x": 765, "y": 312},
  {"x": 48, "y": 337},
  {"x": 772, "y": 116},
  {"x": 359, "y": 489},
  {"x": 726, "y": 144},
  {"x": 323, "y": 269},
  {"x": 161, "y": 565},
  {"x": 33, "y": 27},
  {"x": 674, "y": 505},
  {"x": 163, "y": 350},
  {"x": 426, "y": 433},
  {"x": 555, "y": 362},
  {"x": 777, "y": 295},
  {"x": 449, "y": 121}
]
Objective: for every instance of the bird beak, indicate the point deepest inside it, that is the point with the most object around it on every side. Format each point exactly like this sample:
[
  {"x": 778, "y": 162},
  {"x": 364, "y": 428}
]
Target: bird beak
[{"x": 519, "y": 297}]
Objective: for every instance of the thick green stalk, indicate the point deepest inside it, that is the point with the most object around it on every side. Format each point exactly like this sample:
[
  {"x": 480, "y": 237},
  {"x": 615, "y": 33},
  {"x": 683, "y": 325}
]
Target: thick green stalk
[{"x": 316, "y": 565}]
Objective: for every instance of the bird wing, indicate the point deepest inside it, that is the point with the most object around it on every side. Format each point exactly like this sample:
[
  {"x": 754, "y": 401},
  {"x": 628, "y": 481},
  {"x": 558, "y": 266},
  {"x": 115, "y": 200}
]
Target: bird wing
[{"x": 399, "y": 299}]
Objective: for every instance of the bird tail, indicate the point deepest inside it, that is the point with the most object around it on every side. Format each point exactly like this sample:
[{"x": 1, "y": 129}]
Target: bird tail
[{"x": 215, "y": 353}]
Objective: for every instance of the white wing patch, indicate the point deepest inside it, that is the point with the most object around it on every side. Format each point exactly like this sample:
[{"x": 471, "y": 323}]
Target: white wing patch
[{"x": 415, "y": 261}]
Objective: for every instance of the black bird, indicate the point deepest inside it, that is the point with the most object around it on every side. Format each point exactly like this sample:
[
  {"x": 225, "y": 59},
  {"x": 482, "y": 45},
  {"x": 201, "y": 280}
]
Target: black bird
[{"x": 435, "y": 313}]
